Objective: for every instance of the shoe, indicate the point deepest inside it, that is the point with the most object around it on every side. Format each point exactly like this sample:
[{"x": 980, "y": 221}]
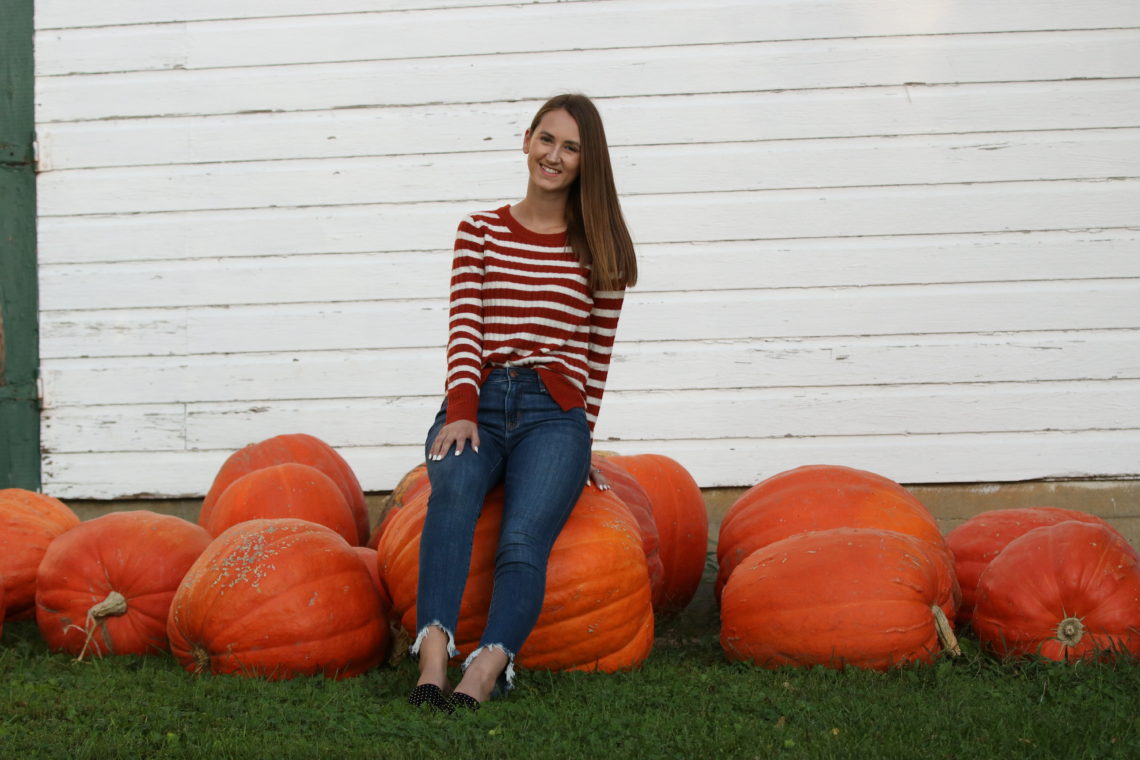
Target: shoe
[
  {"x": 430, "y": 694},
  {"x": 459, "y": 700}
]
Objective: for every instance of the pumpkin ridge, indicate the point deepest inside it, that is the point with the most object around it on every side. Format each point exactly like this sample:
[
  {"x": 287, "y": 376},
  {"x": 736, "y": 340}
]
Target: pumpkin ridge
[
  {"x": 285, "y": 596},
  {"x": 577, "y": 618},
  {"x": 343, "y": 633}
]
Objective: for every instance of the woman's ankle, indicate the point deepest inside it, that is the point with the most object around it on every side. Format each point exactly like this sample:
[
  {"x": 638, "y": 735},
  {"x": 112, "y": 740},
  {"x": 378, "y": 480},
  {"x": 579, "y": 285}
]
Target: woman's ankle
[
  {"x": 482, "y": 673},
  {"x": 433, "y": 658}
]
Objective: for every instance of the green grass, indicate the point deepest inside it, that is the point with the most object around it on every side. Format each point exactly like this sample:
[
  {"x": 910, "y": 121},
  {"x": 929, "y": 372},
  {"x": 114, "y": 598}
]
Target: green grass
[{"x": 686, "y": 702}]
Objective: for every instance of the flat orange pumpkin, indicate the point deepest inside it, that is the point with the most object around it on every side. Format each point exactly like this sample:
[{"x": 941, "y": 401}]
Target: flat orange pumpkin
[
  {"x": 104, "y": 587},
  {"x": 820, "y": 497},
  {"x": 29, "y": 522},
  {"x": 278, "y": 598},
  {"x": 291, "y": 447},
  {"x": 845, "y": 597},
  {"x": 682, "y": 521},
  {"x": 1068, "y": 591},
  {"x": 977, "y": 541}
]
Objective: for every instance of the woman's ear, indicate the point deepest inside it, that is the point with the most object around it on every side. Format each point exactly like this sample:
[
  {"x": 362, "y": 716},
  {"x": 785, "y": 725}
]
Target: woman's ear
[{"x": 526, "y": 141}]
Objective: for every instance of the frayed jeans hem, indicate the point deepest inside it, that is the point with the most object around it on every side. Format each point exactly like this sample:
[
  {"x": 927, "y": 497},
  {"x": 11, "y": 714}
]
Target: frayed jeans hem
[
  {"x": 506, "y": 680},
  {"x": 414, "y": 649}
]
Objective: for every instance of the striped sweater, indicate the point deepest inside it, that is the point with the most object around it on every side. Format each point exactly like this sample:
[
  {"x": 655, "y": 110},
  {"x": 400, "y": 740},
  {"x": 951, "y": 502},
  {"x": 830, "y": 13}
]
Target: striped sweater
[{"x": 520, "y": 298}]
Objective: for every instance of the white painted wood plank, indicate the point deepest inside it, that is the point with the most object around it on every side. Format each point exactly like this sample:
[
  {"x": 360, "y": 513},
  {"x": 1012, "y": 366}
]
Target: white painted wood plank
[
  {"x": 892, "y": 110},
  {"x": 334, "y": 278},
  {"x": 908, "y": 459},
  {"x": 67, "y": 14},
  {"x": 903, "y": 260},
  {"x": 388, "y": 373},
  {"x": 522, "y": 29},
  {"x": 101, "y": 428},
  {"x": 327, "y": 278},
  {"x": 724, "y": 167},
  {"x": 953, "y": 209},
  {"x": 946, "y": 209},
  {"x": 604, "y": 74},
  {"x": 732, "y": 315},
  {"x": 873, "y": 311},
  {"x": 732, "y": 462},
  {"x": 707, "y": 414}
]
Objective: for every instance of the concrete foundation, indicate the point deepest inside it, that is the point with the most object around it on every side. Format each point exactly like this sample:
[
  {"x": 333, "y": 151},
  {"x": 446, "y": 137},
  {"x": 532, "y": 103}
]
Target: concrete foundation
[{"x": 1118, "y": 501}]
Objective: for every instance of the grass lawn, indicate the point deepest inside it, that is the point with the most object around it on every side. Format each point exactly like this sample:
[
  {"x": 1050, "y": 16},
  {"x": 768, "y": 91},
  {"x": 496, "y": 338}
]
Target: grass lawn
[{"x": 686, "y": 702}]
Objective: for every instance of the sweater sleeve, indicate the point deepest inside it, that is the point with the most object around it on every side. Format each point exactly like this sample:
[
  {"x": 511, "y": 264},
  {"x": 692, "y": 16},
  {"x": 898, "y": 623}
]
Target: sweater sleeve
[
  {"x": 603, "y": 327},
  {"x": 465, "y": 324}
]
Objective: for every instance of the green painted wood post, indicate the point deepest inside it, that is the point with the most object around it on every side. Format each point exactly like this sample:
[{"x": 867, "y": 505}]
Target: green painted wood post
[{"x": 19, "y": 302}]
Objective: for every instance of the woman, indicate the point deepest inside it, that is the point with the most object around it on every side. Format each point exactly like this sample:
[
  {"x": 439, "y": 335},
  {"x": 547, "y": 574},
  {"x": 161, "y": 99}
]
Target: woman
[{"x": 536, "y": 289}]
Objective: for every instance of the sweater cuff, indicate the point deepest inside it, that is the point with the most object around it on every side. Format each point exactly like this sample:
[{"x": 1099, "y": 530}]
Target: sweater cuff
[{"x": 462, "y": 404}]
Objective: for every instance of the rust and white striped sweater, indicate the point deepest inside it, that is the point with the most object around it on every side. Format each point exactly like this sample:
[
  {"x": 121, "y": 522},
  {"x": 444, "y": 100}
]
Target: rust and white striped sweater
[{"x": 520, "y": 298}]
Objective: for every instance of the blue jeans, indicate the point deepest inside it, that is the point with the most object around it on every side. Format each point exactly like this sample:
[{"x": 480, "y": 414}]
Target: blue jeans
[{"x": 542, "y": 455}]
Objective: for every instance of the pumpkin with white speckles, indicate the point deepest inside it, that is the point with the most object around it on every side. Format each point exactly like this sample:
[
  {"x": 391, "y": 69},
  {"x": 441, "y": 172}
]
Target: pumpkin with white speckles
[{"x": 278, "y": 598}]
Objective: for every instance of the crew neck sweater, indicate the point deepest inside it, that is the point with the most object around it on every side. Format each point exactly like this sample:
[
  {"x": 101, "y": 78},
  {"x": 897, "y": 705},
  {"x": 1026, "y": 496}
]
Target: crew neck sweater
[{"x": 520, "y": 298}]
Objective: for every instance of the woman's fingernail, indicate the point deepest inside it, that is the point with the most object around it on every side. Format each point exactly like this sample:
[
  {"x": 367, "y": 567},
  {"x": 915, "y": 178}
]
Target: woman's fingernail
[{"x": 476, "y": 449}]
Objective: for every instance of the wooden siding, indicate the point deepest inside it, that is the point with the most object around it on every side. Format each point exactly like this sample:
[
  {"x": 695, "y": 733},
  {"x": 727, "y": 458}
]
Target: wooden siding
[{"x": 893, "y": 235}]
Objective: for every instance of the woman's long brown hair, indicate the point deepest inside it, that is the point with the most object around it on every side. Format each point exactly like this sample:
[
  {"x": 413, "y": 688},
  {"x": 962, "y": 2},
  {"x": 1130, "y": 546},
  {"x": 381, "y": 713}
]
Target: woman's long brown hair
[{"x": 595, "y": 226}]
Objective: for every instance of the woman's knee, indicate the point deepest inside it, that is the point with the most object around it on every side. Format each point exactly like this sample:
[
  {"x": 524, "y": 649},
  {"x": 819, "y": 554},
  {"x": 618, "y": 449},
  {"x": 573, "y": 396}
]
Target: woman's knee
[{"x": 521, "y": 550}]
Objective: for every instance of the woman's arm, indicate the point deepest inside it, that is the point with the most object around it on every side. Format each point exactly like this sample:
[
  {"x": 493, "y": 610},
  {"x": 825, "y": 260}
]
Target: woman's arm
[
  {"x": 603, "y": 327},
  {"x": 465, "y": 324}
]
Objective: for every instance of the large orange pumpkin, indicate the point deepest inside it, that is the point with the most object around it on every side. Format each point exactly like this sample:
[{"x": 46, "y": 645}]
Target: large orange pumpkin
[
  {"x": 278, "y": 598},
  {"x": 284, "y": 490},
  {"x": 682, "y": 521},
  {"x": 820, "y": 497},
  {"x": 597, "y": 613},
  {"x": 29, "y": 521},
  {"x": 1, "y": 606},
  {"x": 626, "y": 488},
  {"x": 104, "y": 587},
  {"x": 977, "y": 541},
  {"x": 1067, "y": 591},
  {"x": 842, "y": 597},
  {"x": 292, "y": 447},
  {"x": 414, "y": 481}
]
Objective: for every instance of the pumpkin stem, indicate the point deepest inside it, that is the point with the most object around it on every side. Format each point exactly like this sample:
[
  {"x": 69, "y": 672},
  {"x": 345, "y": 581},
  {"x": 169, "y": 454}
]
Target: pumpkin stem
[
  {"x": 114, "y": 605},
  {"x": 945, "y": 631},
  {"x": 201, "y": 658},
  {"x": 1070, "y": 631}
]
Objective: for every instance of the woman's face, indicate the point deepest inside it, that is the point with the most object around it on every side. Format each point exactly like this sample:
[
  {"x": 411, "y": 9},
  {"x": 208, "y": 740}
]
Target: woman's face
[{"x": 553, "y": 151}]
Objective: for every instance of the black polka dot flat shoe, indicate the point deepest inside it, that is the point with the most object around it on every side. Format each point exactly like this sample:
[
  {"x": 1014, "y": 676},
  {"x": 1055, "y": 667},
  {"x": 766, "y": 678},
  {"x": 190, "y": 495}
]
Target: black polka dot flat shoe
[
  {"x": 461, "y": 701},
  {"x": 430, "y": 694}
]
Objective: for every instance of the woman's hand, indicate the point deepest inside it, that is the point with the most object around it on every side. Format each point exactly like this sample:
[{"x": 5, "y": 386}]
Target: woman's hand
[
  {"x": 457, "y": 433},
  {"x": 598, "y": 479}
]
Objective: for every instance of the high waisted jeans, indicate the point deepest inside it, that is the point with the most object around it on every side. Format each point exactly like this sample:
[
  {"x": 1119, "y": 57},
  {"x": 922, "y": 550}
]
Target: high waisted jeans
[{"x": 542, "y": 455}]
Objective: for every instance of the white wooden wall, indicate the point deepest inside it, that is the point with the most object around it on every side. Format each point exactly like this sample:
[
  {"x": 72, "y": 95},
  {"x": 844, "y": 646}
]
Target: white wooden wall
[{"x": 892, "y": 234}]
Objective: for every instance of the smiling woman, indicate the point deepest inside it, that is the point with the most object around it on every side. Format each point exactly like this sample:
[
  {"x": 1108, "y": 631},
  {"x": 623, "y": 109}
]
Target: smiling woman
[{"x": 536, "y": 291}]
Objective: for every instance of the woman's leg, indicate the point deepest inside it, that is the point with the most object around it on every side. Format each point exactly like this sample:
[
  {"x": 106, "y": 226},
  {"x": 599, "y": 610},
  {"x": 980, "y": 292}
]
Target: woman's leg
[
  {"x": 547, "y": 466},
  {"x": 459, "y": 485}
]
